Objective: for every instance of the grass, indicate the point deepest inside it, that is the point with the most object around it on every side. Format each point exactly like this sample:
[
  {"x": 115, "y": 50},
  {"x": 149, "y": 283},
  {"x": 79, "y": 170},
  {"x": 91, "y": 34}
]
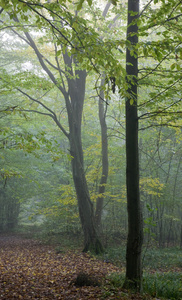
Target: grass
[
  {"x": 162, "y": 271},
  {"x": 153, "y": 258},
  {"x": 167, "y": 285},
  {"x": 163, "y": 258}
]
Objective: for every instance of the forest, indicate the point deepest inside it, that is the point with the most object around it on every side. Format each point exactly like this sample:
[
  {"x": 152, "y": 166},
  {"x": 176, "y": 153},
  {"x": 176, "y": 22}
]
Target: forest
[{"x": 90, "y": 149}]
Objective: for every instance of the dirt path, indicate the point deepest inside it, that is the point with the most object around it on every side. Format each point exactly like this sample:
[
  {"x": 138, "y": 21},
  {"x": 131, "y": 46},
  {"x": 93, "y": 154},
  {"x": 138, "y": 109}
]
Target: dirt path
[{"x": 30, "y": 270}]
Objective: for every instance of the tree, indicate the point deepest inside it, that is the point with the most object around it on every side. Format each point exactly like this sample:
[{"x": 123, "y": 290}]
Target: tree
[
  {"x": 74, "y": 105},
  {"x": 135, "y": 227},
  {"x": 105, "y": 163},
  {"x": 72, "y": 87},
  {"x": 161, "y": 107}
]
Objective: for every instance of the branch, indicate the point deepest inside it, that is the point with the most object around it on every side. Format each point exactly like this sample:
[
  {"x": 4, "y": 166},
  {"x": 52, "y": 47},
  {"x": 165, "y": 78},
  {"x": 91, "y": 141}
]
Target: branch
[
  {"x": 153, "y": 159},
  {"x": 47, "y": 20},
  {"x": 36, "y": 111},
  {"x": 47, "y": 61},
  {"x": 61, "y": 72},
  {"x": 145, "y": 7},
  {"x": 160, "y": 112},
  {"x": 41, "y": 61},
  {"x": 173, "y": 11},
  {"x": 52, "y": 114},
  {"x": 162, "y": 124},
  {"x": 174, "y": 18},
  {"x": 153, "y": 70},
  {"x": 160, "y": 93},
  {"x": 106, "y": 9}
]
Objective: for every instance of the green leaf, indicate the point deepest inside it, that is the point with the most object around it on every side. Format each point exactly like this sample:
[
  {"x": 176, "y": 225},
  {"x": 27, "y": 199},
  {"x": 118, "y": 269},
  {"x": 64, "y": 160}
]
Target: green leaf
[
  {"x": 131, "y": 101},
  {"x": 145, "y": 51},
  {"x": 114, "y": 2},
  {"x": 178, "y": 67},
  {"x": 89, "y": 2},
  {"x": 80, "y": 4},
  {"x": 173, "y": 66},
  {"x": 58, "y": 52}
]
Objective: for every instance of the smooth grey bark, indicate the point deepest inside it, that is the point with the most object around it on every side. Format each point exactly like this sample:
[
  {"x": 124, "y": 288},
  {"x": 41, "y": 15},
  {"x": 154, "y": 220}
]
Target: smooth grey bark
[
  {"x": 105, "y": 162},
  {"x": 181, "y": 233},
  {"x": 74, "y": 104},
  {"x": 133, "y": 277}
]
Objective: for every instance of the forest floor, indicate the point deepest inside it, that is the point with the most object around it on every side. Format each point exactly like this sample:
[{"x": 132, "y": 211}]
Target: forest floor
[{"x": 32, "y": 270}]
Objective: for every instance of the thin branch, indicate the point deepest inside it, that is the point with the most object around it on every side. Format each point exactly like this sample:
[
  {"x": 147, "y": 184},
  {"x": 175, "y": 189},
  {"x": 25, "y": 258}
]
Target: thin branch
[
  {"x": 52, "y": 114},
  {"x": 116, "y": 136},
  {"x": 174, "y": 18},
  {"x": 47, "y": 20},
  {"x": 153, "y": 70},
  {"x": 106, "y": 9},
  {"x": 14, "y": 31},
  {"x": 61, "y": 72},
  {"x": 153, "y": 159},
  {"x": 145, "y": 8},
  {"x": 162, "y": 124},
  {"x": 35, "y": 100},
  {"x": 159, "y": 94},
  {"x": 117, "y": 131},
  {"x": 36, "y": 111},
  {"x": 174, "y": 10},
  {"x": 40, "y": 58},
  {"x": 113, "y": 21},
  {"x": 161, "y": 111},
  {"x": 49, "y": 63}
]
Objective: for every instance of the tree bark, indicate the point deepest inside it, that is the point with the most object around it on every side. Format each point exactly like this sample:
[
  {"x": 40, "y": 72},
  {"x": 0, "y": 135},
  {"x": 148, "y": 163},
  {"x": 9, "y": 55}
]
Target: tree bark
[
  {"x": 133, "y": 277},
  {"x": 74, "y": 102},
  {"x": 105, "y": 163}
]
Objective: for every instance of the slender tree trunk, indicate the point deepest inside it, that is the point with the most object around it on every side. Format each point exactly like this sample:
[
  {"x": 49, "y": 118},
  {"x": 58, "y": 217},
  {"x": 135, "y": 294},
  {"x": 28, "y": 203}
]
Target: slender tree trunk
[
  {"x": 181, "y": 233},
  {"x": 105, "y": 164},
  {"x": 135, "y": 227}
]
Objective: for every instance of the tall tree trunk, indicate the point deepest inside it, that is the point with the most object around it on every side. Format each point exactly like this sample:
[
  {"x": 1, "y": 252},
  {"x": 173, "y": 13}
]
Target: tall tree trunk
[
  {"x": 181, "y": 233},
  {"x": 135, "y": 227},
  {"x": 91, "y": 239},
  {"x": 74, "y": 102},
  {"x": 105, "y": 164}
]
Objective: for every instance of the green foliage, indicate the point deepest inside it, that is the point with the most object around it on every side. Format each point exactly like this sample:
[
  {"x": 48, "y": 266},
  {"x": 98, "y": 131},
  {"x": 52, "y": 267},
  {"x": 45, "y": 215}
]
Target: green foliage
[
  {"x": 162, "y": 259},
  {"x": 61, "y": 214},
  {"x": 116, "y": 280},
  {"x": 162, "y": 276},
  {"x": 166, "y": 285}
]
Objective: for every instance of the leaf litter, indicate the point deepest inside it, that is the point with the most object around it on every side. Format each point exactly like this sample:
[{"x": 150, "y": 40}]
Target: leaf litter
[{"x": 32, "y": 270}]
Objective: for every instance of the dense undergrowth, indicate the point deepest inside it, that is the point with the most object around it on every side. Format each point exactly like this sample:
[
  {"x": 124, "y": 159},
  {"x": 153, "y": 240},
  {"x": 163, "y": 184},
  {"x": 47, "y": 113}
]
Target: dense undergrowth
[{"x": 162, "y": 267}]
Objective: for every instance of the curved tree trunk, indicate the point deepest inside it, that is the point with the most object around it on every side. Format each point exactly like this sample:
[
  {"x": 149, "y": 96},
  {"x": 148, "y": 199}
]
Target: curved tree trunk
[
  {"x": 135, "y": 227},
  {"x": 91, "y": 240},
  {"x": 74, "y": 102}
]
